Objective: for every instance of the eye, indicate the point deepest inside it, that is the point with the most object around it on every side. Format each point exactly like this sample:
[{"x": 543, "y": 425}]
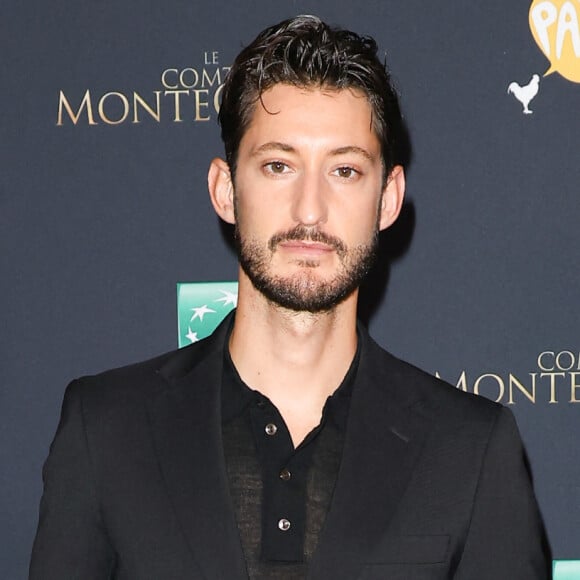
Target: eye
[
  {"x": 346, "y": 172},
  {"x": 276, "y": 167}
]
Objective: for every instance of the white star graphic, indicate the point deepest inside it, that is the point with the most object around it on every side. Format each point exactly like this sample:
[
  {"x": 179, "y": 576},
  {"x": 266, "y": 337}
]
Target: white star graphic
[
  {"x": 228, "y": 298},
  {"x": 199, "y": 312},
  {"x": 192, "y": 336}
]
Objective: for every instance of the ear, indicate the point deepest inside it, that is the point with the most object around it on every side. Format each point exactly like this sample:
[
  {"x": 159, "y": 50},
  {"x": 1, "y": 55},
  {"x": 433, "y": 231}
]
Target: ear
[
  {"x": 392, "y": 199},
  {"x": 221, "y": 189}
]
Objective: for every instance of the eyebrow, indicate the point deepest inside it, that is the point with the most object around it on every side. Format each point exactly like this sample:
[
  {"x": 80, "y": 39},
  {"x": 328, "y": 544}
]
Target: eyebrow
[
  {"x": 273, "y": 146},
  {"x": 353, "y": 149},
  {"x": 279, "y": 146}
]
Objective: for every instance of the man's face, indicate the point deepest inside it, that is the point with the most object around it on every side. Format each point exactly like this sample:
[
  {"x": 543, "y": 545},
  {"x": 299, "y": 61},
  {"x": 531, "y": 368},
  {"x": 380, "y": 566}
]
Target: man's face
[{"x": 307, "y": 199}]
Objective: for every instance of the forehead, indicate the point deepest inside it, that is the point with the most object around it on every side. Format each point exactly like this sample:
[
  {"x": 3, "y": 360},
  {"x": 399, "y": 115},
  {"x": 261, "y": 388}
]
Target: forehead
[{"x": 311, "y": 117}]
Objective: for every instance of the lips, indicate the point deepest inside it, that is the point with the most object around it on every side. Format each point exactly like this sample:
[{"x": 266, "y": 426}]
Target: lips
[
  {"x": 307, "y": 240},
  {"x": 306, "y": 247}
]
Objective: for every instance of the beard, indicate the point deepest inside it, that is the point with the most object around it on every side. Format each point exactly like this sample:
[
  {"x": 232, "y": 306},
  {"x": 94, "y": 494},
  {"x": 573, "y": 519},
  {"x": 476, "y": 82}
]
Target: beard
[{"x": 304, "y": 291}]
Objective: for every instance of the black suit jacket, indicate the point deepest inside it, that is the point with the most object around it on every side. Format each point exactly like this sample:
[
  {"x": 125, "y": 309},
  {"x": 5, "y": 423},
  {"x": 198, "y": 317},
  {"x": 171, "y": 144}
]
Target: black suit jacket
[{"x": 432, "y": 483}]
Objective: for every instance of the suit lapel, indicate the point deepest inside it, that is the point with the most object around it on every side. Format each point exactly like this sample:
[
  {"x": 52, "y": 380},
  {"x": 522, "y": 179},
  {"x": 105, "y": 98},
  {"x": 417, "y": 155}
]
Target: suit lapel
[
  {"x": 383, "y": 440},
  {"x": 186, "y": 423}
]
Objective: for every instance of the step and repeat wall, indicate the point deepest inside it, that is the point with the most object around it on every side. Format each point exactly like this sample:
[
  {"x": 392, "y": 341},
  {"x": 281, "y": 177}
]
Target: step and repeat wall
[{"x": 108, "y": 126}]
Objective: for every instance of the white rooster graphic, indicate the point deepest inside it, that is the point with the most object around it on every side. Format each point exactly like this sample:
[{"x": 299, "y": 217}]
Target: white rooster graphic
[{"x": 526, "y": 93}]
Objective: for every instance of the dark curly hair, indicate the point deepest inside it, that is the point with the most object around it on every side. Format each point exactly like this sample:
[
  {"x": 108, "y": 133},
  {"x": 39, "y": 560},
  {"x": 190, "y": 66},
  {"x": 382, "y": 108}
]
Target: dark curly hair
[{"x": 306, "y": 52}]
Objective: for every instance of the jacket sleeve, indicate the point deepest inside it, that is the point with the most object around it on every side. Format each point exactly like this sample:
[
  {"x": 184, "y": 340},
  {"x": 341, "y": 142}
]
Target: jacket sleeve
[
  {"x": 71, "y": 542},
  {"x": 506, "y": 538}
]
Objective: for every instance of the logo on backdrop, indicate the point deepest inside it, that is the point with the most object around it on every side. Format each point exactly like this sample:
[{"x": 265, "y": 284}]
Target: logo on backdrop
[
  {"x": 555, "y": 380},
  {"x": 555, "y": 27},
  {"x": 188, "y": 94},
  {"x": 201, "y": 306},
  {"x": 526, "y": 93}
]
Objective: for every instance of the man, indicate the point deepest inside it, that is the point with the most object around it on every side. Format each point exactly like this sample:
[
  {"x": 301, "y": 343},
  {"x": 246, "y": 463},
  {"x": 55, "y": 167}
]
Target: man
[{"x": 289, "y": 444}]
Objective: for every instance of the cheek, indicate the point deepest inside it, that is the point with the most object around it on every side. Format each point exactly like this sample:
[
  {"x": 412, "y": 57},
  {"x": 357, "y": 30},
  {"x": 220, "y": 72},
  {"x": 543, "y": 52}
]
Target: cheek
[
  {"x": 252, "y": 222},
  {"x": 261, "y": 212},
  {"x": 360, "y": 223}
]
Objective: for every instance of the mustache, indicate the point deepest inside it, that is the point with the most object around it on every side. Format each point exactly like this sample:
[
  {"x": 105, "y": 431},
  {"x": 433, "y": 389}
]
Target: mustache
[{"x": 308, "y": 234}]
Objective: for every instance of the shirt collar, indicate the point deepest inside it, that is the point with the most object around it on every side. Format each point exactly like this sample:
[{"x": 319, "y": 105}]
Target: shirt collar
[{"x": 236, "y": 395}]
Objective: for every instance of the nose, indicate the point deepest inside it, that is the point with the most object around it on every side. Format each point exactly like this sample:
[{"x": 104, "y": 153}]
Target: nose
[{"x": 309, "y": 205}]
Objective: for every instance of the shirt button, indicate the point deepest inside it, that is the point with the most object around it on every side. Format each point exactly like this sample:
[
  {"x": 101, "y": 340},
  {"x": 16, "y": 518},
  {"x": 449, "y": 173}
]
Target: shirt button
[
  {"x": 285, "y": 475},
  {"x": 271, "y": 429},
  {"x": 284, "y": 524}
]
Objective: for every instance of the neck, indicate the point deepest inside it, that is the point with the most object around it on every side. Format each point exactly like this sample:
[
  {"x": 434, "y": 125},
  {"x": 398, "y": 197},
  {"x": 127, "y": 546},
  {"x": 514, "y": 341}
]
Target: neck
[{"x": 296, "y": 359}]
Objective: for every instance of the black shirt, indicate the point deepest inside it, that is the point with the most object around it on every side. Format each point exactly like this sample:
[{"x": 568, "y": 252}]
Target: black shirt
[{"x": 281, "y": 494}]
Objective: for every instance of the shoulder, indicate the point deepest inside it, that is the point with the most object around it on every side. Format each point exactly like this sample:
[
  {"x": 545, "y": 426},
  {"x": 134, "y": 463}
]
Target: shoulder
[
  {"x": 411, "y": 386},
  {"x": 463, "y": 420},
  {"x": 126, "y": 385}
]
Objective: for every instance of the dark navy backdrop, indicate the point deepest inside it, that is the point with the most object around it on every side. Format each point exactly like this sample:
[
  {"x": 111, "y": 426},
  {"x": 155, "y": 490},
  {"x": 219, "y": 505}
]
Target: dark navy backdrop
[{"x": 101, "y": 216}]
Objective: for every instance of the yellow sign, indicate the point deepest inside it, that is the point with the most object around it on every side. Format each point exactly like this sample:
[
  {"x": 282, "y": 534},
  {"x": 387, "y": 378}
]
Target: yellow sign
[{"x": 555, "y": 26}]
